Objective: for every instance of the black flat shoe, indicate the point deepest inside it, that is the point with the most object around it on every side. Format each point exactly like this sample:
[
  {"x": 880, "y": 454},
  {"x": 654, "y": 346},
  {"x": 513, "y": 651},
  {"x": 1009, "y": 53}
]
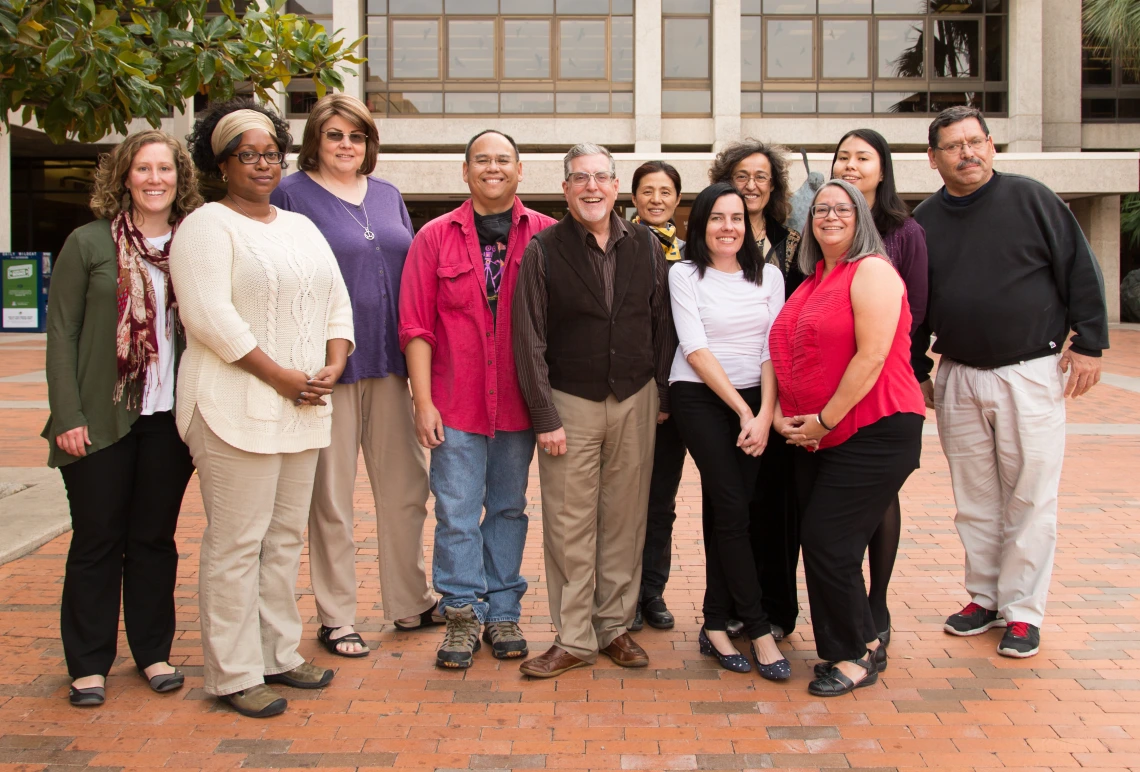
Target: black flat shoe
[
  {"x": 638, "y": 620},
  {"x": 836, "y": 683},
  {"x": 656, "y": 613},
  {"x": 427, "y": 618},
  {"x": 165, "y": 682},
  {"x": 778, "y": 633},
  {"x": 879, "y": 657},
  {"x": 87, "y": 698},
  {"x": 885, "y": 638},
  {"x": 780, "y": 670},
  {"x": 737, "y": 663},
  {"x": 734, "y": 628}
]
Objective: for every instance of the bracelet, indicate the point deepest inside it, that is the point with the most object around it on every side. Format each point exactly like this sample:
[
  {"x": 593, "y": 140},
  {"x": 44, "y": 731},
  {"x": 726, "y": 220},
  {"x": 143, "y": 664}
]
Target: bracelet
[{"x": 819, "y": 417}]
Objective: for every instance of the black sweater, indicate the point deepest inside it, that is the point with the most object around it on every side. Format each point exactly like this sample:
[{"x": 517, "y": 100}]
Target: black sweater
[{"x": 1010, "y": 274}]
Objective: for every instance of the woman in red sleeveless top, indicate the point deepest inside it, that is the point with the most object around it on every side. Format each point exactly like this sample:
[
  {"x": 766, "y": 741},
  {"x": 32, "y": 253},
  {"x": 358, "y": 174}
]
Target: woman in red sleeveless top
[{"x": 849, "y": 400}]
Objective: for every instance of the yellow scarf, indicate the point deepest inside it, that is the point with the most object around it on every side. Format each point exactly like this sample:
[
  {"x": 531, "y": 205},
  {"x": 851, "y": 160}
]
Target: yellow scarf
[{"x": 667, "y": 235}]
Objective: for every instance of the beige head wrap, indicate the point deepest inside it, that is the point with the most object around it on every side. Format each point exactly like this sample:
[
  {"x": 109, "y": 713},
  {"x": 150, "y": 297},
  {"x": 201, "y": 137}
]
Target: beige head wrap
[{"x": 236, "y": 123}]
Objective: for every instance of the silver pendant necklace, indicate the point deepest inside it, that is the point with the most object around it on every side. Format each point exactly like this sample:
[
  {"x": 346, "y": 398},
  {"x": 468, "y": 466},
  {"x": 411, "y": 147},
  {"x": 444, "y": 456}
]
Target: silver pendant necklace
[{"x": 366, "y": 225}]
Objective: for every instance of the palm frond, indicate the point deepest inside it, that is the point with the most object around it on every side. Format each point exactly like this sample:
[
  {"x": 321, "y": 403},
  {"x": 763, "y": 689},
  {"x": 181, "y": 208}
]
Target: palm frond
[{"x": 1113, "y": 26}]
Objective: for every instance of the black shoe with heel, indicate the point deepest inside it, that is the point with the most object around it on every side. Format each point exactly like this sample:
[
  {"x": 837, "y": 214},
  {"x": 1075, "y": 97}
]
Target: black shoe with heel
[{"x": 737, "y": 663}]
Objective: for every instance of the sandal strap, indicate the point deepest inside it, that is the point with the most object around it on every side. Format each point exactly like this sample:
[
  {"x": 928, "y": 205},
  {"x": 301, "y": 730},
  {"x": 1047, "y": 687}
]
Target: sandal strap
[
  {"x": 838, "y": 676},
  {"x": 349, "y": 638}
]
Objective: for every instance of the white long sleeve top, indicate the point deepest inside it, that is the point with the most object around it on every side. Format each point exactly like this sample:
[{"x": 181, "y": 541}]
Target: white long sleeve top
[
  {"x": 241, "y": 283},
  {"x": 726, "y": 314}
]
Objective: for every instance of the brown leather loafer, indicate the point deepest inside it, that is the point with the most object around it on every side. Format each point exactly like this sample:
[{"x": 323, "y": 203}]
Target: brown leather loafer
[
  {"x": 554, "y": 662},
  {"x": 624, "y": 651}
]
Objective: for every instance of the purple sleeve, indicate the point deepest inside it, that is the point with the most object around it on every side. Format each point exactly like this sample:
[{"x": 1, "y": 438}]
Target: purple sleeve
[{"x": 907, "y": 248}]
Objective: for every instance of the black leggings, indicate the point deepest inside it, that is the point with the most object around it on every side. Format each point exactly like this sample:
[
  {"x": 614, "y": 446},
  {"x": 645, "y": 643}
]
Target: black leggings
[
  {"x": 668, "y": 464},
  {"x": 844, "y": 493},
  {"x": 124, "y": 501},
  {"x": 709, "y": 428}
]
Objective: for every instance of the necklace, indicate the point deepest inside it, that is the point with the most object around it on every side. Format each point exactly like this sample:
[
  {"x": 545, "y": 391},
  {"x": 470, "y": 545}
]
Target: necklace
[
  {"x": 366, "y": 225},
  {"x": 272, "y": 210}
]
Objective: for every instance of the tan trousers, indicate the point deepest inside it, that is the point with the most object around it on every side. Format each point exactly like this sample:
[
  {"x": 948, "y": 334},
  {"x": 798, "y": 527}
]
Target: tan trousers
[
  {"x": 1003, "y": 433},
  {"x": 251, "y": 549},
  {"x": 594, "y": 503},
  {"x": 374, "y": 414}
]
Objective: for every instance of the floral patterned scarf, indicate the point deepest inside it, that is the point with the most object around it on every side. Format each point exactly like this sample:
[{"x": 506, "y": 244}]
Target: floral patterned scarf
[{"x": 136, "y": 340}]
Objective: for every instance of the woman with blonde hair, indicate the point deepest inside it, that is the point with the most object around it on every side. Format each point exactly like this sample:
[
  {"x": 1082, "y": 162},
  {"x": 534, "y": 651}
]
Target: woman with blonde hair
[
  {"x": 366, "y": 224},
  {"x": 114, "y": 342}
]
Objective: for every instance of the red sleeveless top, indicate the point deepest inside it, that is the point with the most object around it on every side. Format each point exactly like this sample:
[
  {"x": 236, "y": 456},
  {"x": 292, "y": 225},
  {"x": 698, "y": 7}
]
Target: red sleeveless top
[{"x": 812, "y": 342}]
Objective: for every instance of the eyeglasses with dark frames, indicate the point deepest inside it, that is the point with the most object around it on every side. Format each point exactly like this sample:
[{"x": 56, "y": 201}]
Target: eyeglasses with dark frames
[
  {"x": 249, "y": 158},
  {"x": 820, "y": 211}
]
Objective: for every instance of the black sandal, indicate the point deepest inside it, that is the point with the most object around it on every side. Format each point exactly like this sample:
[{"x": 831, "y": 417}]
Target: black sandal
[
  {"x": 331, "y": 643},
  {"x": 879, "y": 656},
  {"x": 427, "y": 618},
  {"x": 836, "y": 683}
]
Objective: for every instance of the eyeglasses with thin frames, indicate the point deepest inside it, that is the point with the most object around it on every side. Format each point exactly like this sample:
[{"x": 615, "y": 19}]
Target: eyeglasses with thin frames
[
  {"x": 336, "y": 135},
  {"x": 483, "y": 161},
  {"x": 581, "y": 179},
  {"x": 956, "y": 148},
  {"x": 740, "y": 179},
  {"x": 249, "y": 158}
]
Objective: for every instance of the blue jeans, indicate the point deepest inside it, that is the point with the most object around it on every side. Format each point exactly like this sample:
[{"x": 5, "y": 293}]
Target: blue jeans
[{"x": 478, "y": 563}]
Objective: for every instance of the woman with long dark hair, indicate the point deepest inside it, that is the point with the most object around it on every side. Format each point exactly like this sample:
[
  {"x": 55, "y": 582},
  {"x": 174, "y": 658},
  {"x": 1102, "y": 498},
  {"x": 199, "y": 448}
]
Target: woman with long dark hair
[
  {"x": 722, "y": 390},
  {"x": 863, "y": 158}
]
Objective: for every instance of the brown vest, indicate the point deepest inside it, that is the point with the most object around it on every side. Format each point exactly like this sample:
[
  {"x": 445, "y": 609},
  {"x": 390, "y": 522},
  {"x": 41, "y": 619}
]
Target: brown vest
[{"x": 590, "y": 351}]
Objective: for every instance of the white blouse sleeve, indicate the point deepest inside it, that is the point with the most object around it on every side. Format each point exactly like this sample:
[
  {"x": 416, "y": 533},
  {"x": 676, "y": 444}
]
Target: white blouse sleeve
[
  {"x": 774, "y": 285},
  {"x": 683, "y": 280}
]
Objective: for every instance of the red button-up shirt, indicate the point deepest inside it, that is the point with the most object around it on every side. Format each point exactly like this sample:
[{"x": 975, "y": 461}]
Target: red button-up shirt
[{"x": 443, "y": 299}]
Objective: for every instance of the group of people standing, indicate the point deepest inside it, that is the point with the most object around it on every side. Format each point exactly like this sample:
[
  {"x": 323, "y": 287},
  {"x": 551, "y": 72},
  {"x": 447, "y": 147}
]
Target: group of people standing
[{"x": 185, "y": 335}]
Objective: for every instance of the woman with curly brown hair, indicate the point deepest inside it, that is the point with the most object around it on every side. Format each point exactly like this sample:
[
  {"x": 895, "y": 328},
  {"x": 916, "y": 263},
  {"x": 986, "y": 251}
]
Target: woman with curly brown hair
[
  {"x": 759, "y": 172},
  {"x": 114, "y": 342}
]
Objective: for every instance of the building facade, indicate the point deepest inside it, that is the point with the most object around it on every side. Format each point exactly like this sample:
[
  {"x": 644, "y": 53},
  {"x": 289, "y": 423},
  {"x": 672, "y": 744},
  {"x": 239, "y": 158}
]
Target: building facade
[{"x": 677, "y": 80}]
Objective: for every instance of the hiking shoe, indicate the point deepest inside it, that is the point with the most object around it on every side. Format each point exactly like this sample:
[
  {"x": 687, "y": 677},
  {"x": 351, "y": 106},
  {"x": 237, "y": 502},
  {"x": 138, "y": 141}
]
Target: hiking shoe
[
  {"x": 460, "y": 640},
  {"x": 256, "y": 702},
  {"x": 304, "y": 676},
  {"x": 972, "y": 620},
  {"x": 506, "y": 639},
  {"x": 1021, "y": 640}
]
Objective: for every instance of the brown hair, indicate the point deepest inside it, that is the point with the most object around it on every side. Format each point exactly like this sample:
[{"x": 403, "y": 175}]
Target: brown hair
[
  {"x": 352, "y": 110},
  {"x": 110, "y": 190},
  {"x": 727, "y": 159}
]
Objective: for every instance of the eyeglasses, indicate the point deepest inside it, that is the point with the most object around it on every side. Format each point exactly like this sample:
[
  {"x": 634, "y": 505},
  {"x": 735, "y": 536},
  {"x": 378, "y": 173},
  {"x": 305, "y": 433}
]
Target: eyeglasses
[
  {"x": 581, "y": 179},
  {"x": 336, "y": 135},
  {"x": 483, "y": 161},
  {"x": 821, "y": 211},
  {"x": 974, "y": 144},
  {"x": 248, "y": 157},
  {"x": 740, "y": 179}
]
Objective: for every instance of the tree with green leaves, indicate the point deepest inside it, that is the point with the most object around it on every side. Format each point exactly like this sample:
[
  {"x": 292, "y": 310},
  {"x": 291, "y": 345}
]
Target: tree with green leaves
[
  {"x": 1113, "y": 26},
  {"x": 85, "y": 68}
]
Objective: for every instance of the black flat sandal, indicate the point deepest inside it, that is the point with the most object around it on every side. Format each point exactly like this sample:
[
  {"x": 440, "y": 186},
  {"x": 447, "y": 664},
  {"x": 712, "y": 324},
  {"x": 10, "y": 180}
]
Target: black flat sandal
[
  {"x": 86, "y": 698},
  {"x": 836, "y": 683},
  {"x": 165, "y": 682},
  {"x": 822, "y": 669},
  {"x": 331, "y": 644},
  {"x": 428, "y": 618}
]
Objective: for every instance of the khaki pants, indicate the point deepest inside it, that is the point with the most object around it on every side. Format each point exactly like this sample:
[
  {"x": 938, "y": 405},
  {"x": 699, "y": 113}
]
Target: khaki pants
[
  {"x": 374, "y": 414},
  {"x": 1003, "y": 433},
  {"x": 594, "y": 502},
  {"x": 251, "y": 549}
]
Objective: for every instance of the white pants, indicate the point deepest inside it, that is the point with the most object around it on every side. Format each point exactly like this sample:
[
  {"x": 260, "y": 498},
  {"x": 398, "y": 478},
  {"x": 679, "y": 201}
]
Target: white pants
[{"x": 1003, "y": 433}]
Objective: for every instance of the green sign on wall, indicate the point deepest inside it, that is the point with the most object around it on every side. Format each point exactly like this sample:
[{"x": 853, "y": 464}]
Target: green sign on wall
[{"x": 21, "y": 292}]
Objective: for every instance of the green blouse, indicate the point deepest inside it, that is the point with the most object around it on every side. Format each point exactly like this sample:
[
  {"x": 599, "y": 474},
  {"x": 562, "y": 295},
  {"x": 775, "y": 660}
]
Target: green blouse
[{"x": 81, "y": 364}]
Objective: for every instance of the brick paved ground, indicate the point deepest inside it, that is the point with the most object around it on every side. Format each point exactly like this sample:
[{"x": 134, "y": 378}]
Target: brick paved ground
[{"x": 945, "y": 702}]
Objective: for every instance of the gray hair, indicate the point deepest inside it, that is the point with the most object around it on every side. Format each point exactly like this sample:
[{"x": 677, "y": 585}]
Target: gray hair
[
  {"x": 949, "y": 117},
  {"x": 866, "y": 242},
  {"x": 586, "y": 148}
]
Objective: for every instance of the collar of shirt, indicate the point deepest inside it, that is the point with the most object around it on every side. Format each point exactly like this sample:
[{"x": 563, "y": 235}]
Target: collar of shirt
[{"x": 619, "y": 229}]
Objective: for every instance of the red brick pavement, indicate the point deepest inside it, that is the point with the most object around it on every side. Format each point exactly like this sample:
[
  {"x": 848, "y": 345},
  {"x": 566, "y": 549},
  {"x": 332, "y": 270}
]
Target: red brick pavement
[{"x": 945, "y": 702}]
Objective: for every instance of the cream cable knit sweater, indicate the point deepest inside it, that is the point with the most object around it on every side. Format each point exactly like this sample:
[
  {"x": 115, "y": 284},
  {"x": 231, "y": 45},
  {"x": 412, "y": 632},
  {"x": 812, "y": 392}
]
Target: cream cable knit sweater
[{"x": 240, "y": 284}]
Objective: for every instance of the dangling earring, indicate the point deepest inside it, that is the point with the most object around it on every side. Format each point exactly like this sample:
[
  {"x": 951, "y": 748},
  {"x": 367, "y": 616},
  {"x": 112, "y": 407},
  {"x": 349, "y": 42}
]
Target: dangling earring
[{"x": 225, "y": 178}]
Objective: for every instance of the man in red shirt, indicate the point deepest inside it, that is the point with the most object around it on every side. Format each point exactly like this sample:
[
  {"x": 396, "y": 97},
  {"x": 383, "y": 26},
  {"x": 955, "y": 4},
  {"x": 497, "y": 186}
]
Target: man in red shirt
[{"x": 455, "y": 330}]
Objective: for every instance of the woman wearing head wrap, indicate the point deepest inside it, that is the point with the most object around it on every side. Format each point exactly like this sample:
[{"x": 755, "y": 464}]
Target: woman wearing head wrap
[
  {"x": 269, "y": 328},
  {"x": 113, "y": 344}
]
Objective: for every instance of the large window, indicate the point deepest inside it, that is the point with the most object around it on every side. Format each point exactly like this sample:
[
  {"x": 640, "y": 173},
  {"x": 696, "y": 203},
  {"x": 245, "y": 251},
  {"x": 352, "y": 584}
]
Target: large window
[
  {"x": 686, "y": 57},
  {"x": 500, "y": 57},
  {"x": 1110, "y": 92},
  {"x": 856, "y": 57}
]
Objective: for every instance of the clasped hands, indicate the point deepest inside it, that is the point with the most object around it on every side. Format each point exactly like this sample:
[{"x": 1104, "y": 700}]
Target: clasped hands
[
  {"x": 297, "y": 387},
  {"x": 753, "y": 437},
  {"x": 802, "y": 430}
]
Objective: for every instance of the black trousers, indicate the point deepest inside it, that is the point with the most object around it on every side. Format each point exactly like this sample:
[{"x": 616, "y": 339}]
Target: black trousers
[
  {"x": 124, "y": 511},
  {"x": 844, "y": 492},
  {"x": 775, "y": 532},
  {"x": 709, "y": 428},
  {"x": 668, "y": 464}
]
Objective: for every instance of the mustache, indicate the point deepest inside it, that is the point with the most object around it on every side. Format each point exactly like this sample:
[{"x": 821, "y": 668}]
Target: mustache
[{"x": 965, "y": 164}]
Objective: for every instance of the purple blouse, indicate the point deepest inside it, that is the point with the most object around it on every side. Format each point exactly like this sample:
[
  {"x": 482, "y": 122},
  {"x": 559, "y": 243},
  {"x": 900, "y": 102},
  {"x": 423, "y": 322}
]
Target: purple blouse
[
  {"x": 906, "y": 247},
  {"x": 371, "y": 269}
]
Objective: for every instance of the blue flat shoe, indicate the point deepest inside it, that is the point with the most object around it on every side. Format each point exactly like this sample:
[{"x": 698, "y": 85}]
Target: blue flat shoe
[
  {"x": 780, "y": 670},
  {"x": 737, "y": 663}
]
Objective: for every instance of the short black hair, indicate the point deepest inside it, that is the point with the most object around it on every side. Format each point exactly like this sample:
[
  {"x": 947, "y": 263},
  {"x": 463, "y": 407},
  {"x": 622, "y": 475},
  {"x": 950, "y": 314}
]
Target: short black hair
[
  {"x": 952, "y": 115},
  {"x": 507, "y": 137},
  {"x": 198, "y": 141},
  {"x": 653, "y": 167},
  {"x": 697, "y": 252}
]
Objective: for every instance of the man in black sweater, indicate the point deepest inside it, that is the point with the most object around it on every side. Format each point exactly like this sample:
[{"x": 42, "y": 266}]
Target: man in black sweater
[{"x": 1011, "y": 275}]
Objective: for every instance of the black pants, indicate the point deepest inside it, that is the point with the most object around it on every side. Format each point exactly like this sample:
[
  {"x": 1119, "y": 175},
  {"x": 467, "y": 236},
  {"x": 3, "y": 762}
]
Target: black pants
[
  {"x": 709, "y": 428},
  {"x": 775, "y": 532},
  {"x": 844, "y": 492},
  {"x": 124, "y": 510},
  {"x": 668, "y": 464}
]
